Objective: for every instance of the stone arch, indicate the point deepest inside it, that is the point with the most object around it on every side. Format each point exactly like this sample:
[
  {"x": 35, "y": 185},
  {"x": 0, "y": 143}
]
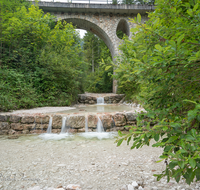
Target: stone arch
[
  {"x": 80, "y": 23},
  {"x": 123, "y": 26}
]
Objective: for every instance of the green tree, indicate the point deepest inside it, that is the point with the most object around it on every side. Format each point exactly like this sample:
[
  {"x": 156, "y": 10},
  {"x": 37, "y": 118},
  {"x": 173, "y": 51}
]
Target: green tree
[
  {"x": 44, "y": 54},
  {"x": 165, "y": 59}
]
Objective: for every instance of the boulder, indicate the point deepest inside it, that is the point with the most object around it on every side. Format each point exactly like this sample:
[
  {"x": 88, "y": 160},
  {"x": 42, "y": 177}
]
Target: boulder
[
  {"x": 17, "y": 126},
  {"x": 107, "y": 121},
  {"x": 42, "y": 119},
  {"x": 27, "y": 119},
  {"x": 15, "y": 118},
  {"x": 76, "y": 122},
  {"x": 92, "y": 121},
  {"x": 11, "y": 132},
  {"x": 120, "y": 119},
  {"x": 4, "y": 126},
  {"x": 57, "y": 122}
]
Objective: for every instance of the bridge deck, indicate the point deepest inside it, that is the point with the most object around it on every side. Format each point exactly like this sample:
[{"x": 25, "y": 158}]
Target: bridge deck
[{"x": 94, "y": 8}]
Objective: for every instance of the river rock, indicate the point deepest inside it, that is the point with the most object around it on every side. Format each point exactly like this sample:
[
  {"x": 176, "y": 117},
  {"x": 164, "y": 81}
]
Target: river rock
[
  {"x": 57, "y": 122},
  {"x": 11, "y": 132},
  {"x": 27, "y": 119},
  {"x": 17, "y": 126},
  {"x": 73, "y": 187},
  {"x": 76, "y": 122},
  {"x": 42, "y": 119},
  {"x": 13, "y": 137},
  {"x": 120, "y": 119},
  {"x": 92, "y": 121},
  {"x": 4, "y": 126},
  {"x": 15, "y": 118},
  {"x": 107, "y": 121},
  {"x": 72, "y": 131}
]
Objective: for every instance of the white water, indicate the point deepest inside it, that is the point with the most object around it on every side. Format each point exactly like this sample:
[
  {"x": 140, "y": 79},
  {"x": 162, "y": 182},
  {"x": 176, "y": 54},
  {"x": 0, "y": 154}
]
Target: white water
[
  {"x": 50, "y": 125},
  {"x": 99, "y": 126},
  {"x": 86, "y": 123},
  {"x": 103, "y": 135},
  {"x": 63, "y": 125},
  {"x": 54, "y": 136},
  {"x": 100, "y": 100}
]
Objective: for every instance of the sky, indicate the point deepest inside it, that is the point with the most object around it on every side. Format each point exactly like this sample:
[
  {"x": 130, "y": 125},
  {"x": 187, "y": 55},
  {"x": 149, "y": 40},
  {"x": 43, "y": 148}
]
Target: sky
[{"x": 82, "y": 32}]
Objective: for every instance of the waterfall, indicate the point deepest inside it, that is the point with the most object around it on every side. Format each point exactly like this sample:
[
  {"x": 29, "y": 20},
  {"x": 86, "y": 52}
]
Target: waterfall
[
  {"x": 86, "y": 123},
  {"x": 113, "y": 122},
  {"x": 41, "y": 125},
  {"x": 99, "y": 126},
  {"x": 63, "y": 125},
  {"x": 100, "y": 100},
  {"x": 50, "y": 125}
]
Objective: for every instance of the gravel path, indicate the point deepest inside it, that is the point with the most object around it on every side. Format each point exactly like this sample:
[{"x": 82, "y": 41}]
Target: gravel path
[{"x": 93, "y": 164}]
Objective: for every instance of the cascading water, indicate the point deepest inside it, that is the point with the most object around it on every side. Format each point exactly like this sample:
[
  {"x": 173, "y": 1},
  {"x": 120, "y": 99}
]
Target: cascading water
[
  {"x": 100, "y": 100},
  {"x": 99, "y": 126},
  {"x": 41, "y": 125},
  {"x": 86, "y": 123},
  {"x": 63, "y": 125},
  {"x": 50, "y": 125}
]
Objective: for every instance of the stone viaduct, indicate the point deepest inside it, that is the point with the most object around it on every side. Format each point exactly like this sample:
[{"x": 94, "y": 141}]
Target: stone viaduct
[{"x": 104, "y": 20}]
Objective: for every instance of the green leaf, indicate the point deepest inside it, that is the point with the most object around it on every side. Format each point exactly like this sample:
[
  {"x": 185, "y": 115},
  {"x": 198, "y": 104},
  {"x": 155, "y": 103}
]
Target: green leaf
[
  {"x": 172, "y": 164},
  {"x": 197, "y": 171},
  {"x": 138, "y": 17},
  {"x": 156, "y": 137},
  {"x": 107, "y": 67},
  {"x": 181, "y": 164},
  {"x": 158, "y": 47},
  {"x": 172, "y": 139},
  {"x": 192, "y": 162},
  {"x": 120, "y": 142}
]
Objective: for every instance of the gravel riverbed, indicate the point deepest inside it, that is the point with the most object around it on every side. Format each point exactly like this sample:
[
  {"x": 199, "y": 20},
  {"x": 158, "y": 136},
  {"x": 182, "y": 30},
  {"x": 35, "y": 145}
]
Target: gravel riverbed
[{"x": 94, "y": 164}]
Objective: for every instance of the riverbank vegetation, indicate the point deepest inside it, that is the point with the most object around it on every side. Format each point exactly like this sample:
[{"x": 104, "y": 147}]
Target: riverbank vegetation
[
  {"x": 160, "y": 67},
  {"x": 42, "y": 62}
]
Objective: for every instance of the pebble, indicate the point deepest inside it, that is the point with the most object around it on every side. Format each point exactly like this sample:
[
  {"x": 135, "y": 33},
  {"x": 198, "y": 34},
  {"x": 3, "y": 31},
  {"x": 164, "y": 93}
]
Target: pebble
[
  {"x": 134, "y": 184},
  {"x": 130, "y": 187}
]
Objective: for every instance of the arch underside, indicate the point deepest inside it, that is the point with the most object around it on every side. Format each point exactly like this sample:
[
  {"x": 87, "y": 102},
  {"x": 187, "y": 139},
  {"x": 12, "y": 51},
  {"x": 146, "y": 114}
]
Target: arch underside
[{"x": 91, "y": 27}]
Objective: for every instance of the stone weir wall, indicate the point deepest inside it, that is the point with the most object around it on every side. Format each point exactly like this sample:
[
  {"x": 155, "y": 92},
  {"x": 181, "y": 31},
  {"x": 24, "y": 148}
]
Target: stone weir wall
[
  {"x": 92, "y": 98},
  {"x": 27, "y": 124}
]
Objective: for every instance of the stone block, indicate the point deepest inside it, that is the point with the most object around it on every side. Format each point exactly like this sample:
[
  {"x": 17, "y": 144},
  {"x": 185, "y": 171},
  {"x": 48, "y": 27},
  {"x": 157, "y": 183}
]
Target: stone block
[
  {"x": 72, "y": 131},
  {"x": 56, "y": 130},
  {"x": 4, "y": 118},
  {"x": 4, "y": 126},
  {"x": 120, "y": 119},
  {"x": 42, "y": 126},
  {"x": 76, "y": 122},
  {"x": 28, "y": 126},
  {"x": 131, "y": 117},
  {"x": 27, "y": 119},
  {"x": 4, "y": 132},
  {"x": 107, "y": 121},
  {"x": 11, "y": 132},
  {"x": 17, "y": 126},
  {"x": 57, "y": 122},
  {"x": 42, "y": 119},
  {"x": 15, "y": 118},
  {"x": 25, "y": 131},
  {"x": 81, "y": 130},
  {"x": 92, "y": 121}
]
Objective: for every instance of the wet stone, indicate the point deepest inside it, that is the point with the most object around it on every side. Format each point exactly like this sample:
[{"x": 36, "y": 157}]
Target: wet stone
[
  {"x": 4, "y": 126},
  {"x": 27, "y": 119},
  {"x": 15, "y": 118},
  {"x": 17, "y": 126}
]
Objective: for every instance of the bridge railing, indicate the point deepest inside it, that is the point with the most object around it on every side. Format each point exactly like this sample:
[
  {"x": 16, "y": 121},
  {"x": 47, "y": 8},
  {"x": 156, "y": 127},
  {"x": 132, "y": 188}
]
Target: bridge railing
[{"x": 114, "y": 2}]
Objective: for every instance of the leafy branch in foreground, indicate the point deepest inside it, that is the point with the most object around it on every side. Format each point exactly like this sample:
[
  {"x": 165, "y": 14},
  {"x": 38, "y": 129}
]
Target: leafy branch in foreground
[{"x": 179, "y": 138}]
